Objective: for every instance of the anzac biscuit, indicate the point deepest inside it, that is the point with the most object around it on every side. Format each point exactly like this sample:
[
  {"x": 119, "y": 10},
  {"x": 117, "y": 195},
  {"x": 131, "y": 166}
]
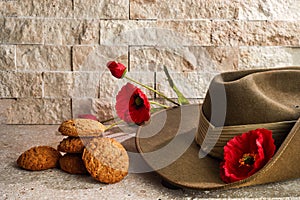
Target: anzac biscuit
[
  {"x": 106, "y": 160},
  {"x": 81, "y": 127},
  {"x": 72, "y": 163},
  {"x": 73, "y": 144},
  {"x": 39, "y": 158}
]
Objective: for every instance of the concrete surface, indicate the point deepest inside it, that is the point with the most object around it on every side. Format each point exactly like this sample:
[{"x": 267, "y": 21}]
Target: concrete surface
[{"x": 16, "y": 183}]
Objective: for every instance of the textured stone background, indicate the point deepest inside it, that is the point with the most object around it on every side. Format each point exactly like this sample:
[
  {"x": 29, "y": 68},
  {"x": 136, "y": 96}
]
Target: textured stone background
[{"x": 53, "y": 53}]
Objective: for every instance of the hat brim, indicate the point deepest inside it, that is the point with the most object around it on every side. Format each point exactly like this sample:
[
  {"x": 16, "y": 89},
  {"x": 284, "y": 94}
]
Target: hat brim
[{"x": 168, "y": 147}]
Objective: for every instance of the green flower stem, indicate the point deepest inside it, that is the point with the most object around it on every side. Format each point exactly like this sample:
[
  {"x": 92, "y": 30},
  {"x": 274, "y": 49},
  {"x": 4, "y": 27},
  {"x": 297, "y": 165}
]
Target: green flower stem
[
  {"x": 158, "y": 104},
  {"x": 114, "y": 124},
  {"x": 153, "y": 90}
]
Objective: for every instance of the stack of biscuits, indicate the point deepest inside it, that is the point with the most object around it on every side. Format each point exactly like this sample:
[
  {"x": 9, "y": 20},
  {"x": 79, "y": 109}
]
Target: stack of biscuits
[
  {"x": 85, "y": 151},
  {"x": 79, "y": 133}
]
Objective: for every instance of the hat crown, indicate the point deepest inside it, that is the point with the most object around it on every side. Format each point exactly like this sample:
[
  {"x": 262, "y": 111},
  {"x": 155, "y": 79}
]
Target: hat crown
[
  {"x": 255, "y": 96},
  {"x": 238, "y": 102}
]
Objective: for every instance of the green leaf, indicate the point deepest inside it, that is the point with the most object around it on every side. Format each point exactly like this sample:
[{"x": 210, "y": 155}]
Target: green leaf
[{"x": 181, "y": 99}]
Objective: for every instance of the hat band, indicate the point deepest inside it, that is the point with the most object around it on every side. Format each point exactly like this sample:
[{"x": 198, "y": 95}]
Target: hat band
[{"x": 213, "y": 139}]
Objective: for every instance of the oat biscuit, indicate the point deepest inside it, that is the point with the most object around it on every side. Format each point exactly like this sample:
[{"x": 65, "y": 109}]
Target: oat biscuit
[
  {"x": 72, "y": 163},
  {"x": 39, "y": 158},
  {"x": 81, "y": 127},
  {"x": 106, "y": 160},
  {"x": 73, "y": 144}
]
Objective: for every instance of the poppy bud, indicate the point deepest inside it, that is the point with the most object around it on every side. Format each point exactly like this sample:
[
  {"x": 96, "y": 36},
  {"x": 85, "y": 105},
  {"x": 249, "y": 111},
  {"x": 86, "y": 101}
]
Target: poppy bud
[{"x": 118, "y": 70}]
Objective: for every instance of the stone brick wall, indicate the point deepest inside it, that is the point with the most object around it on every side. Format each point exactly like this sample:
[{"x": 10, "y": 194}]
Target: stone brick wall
[{"x": 53, "y": 53}]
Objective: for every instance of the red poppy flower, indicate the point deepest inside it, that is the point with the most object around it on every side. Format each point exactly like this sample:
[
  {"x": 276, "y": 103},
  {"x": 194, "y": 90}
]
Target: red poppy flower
[
  {"x": 118, "y": 70},
  {"x": 246, "y": 154},
  {"x": 132, "y": 105}
]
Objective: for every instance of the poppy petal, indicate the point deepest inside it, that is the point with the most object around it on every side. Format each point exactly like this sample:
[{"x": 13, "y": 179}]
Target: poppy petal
[
  {"x": 127, "y": 108},
  {"x": 245, "y": 154}
]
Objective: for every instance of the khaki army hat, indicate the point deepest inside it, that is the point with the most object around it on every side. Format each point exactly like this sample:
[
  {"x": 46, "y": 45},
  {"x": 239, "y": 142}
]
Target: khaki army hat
[{"x": 184, "y": 144}]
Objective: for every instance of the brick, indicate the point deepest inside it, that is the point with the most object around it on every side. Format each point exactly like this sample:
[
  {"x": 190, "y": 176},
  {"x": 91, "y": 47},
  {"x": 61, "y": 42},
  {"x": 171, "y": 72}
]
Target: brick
[
  {"x": 269, "y": 10},
  {"x": 103, "y": 109},
  {"x": 95, "y": 58},
  {"x": 45, "y": 8},
  {"x": 21, "y": 31},
  {"x": 268, "y": 57},
  {"x": 7, "y": 57},
  {"x": 191, "y": 9},
  {"x": 190, "y": 84},
  {"x": 151, "y": 9},
  {"x": 178, "y": 33},
  {"x": 143, "y": 77},
  {"x": 20, "y": 84},
  {"x": 158, "y": 33},
  {"x": 102, "y": 9},
  {"x": 117, "y": 32},
  {"x": 74, "y": 84},
  {"x": 256, "y": 33},
  {"x": 58, "y": 84},
  {"x": 226, "y": 33},
  {"x": 71, "y": 32},
  {"x": 86, "y": 84},
  {"x": 295, "y": 52},
  {"x": 110, "y": 86},
  {"x": 43, "y": 58},
  {"x": 81, "y": 106},
  {"x": 154, "y": 58},
  {"x": 273, "y": 33},
  {"x": 183, "y": 59},
  {"x": 282, "y": 33},
  {"x": 36, "y": 8},
  {"x": 5, "y": 104},
  {"x": 39, "y": 111},
  {"x": 56, "y": 8},
  {"x": 8, "y": 8},
  {"x": 215, "y": 59}
]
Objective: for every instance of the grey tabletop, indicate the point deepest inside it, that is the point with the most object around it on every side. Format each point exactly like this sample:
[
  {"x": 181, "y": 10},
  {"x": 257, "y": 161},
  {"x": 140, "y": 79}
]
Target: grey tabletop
[{"x": 16, "y": 183}]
